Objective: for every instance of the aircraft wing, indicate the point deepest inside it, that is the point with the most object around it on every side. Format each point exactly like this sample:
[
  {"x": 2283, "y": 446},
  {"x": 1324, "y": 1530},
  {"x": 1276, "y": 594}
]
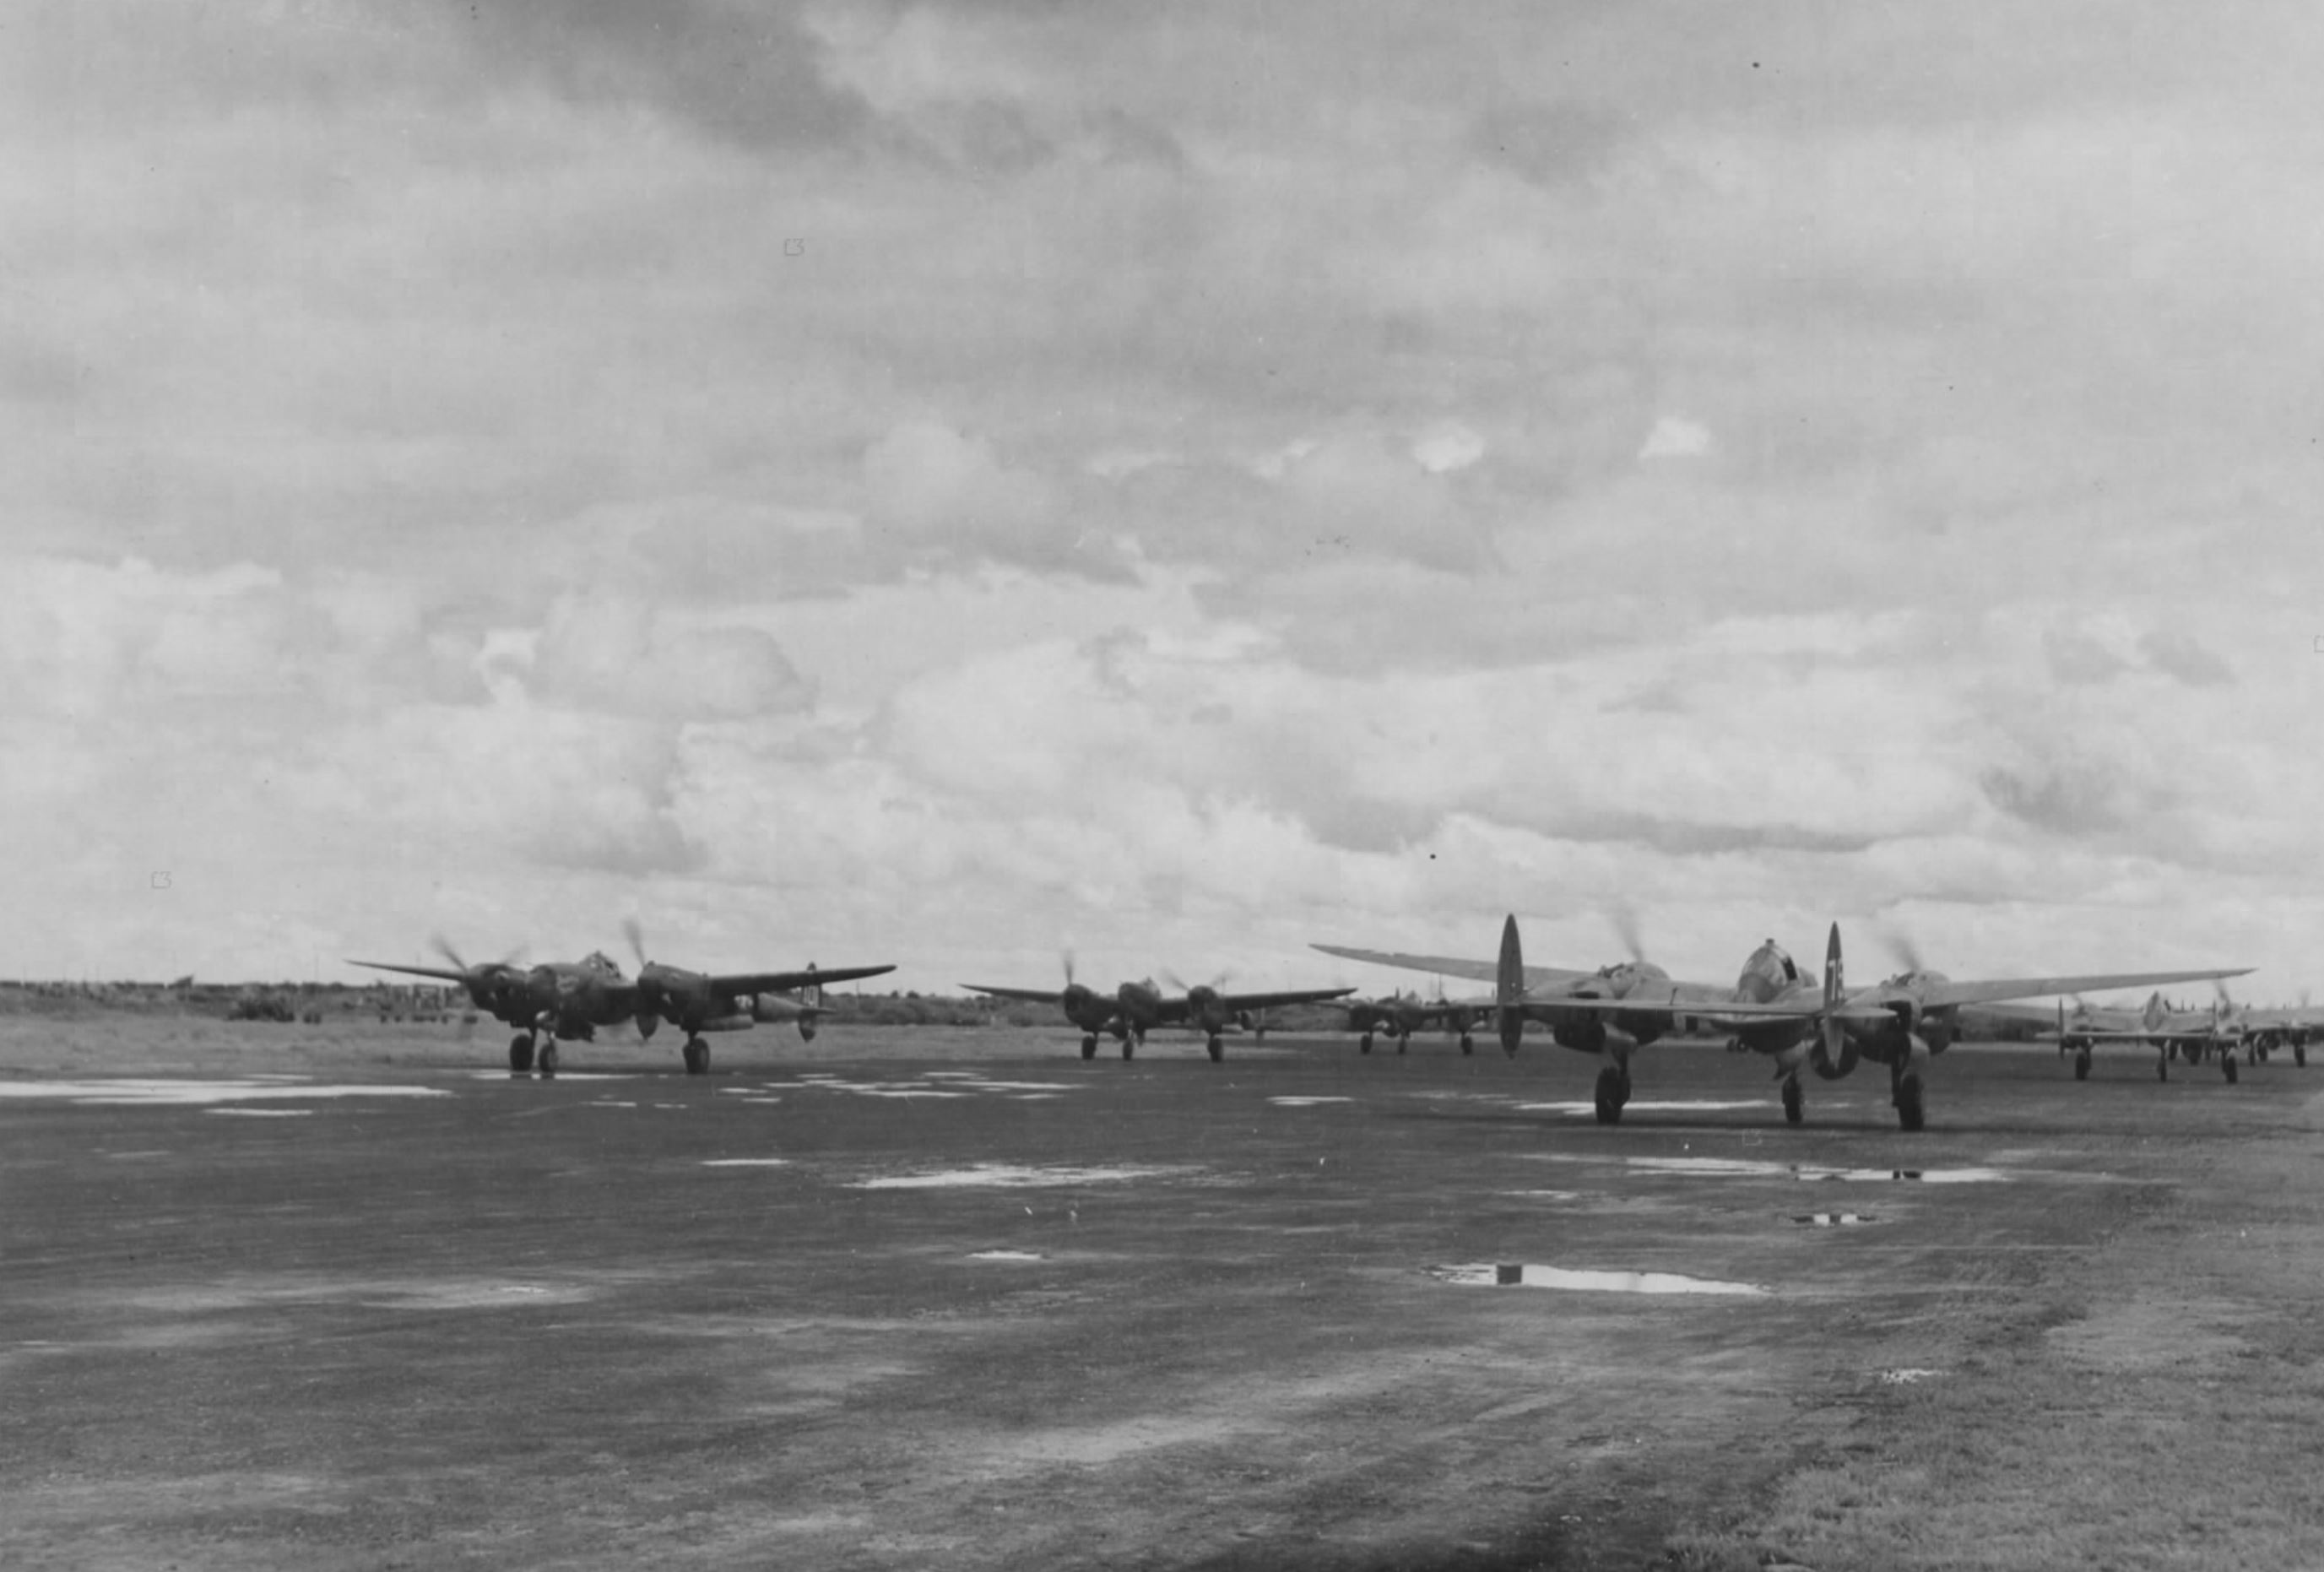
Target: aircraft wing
[
  {"x": 443, "y": 972},
  {"x": 1939, "y": 994},
  {"x": 1451, "y": 965},
  {"x": 1273, "y": 1001},
  {"x": 1720, "y": 1012},
  {"x": 2276, "y": 1019},
  {"x": 2134, "y": 1034},
  {"x": 1034, "y": 995},
  {"x": 735, "y": 982}
]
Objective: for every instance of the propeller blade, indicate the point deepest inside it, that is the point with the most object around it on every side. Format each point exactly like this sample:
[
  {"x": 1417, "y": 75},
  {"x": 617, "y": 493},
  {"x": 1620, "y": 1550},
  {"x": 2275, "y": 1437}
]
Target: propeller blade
[
  {"x": 636, "y": 936},
  {"x": 1066, "y": 956},
  {"x": 1834, "y": 992},
  {"x": 443, "y": 947}
]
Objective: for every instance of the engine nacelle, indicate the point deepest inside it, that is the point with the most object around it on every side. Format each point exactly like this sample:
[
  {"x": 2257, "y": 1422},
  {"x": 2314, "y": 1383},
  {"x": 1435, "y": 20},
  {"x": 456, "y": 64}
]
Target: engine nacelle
[
  {"x": 1582, "y": 1034},
  {"x": 1827, "y": 1067}
]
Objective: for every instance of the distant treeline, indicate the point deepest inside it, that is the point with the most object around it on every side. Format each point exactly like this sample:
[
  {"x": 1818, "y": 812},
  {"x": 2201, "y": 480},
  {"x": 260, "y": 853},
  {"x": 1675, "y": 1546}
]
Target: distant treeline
[{"x": 316, "y": 1002}]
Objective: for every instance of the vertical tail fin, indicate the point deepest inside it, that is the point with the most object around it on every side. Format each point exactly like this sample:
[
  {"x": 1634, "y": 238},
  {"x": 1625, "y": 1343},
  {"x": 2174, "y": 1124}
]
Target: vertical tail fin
[{"x": 1509, "y": 986}]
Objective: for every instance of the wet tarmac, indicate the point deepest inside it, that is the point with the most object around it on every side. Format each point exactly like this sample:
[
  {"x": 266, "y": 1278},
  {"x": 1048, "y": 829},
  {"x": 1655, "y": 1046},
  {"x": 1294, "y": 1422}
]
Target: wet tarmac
[{"x": 969, "y": 1300}]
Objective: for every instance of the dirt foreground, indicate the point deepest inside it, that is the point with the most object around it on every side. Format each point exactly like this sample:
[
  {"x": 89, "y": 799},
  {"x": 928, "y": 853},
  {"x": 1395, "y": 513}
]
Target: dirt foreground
[{"x": 349, "y": 1297}]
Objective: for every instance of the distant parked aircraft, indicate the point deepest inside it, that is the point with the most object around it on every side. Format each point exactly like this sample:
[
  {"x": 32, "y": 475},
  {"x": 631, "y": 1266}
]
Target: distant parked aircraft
[
  {"x": 1134, "y": 1009},
  {"x": 1773, "y": 1009},
  {"x": 567, "y": 1001}
]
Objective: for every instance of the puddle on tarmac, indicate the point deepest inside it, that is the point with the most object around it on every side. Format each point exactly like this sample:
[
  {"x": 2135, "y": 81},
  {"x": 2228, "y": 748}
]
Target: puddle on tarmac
[
  {"x": 878, "y": 1088},
  {"x": 1522, "y": 1275},
  {"x": 1579, "y": 1110},
  {"x": 1755, "y": 1168},
  {"x": 1306, "y": 1102},
  {"x": 1010, "y": 1176},
  {"x": 1834, "y": 1219},
  {"x": 143, "y": 1092},
  {"x": 1003, "y": 1255},
  {"x": 934, "y": 1083},
  {"x": 746, "y": 1162}
]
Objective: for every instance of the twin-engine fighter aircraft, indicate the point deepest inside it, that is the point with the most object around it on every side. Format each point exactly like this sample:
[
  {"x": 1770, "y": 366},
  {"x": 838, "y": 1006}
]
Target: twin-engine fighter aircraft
[
  {"x": 566, "y": 1002},
  {"x": 1773, "y": 1009},
  {"x": 1134, "y": 1009},
  {"x": 1399, "y": 1016},
  {"x": 2265, "y": 1031},
  {"x": 2192, "y": 1034}
]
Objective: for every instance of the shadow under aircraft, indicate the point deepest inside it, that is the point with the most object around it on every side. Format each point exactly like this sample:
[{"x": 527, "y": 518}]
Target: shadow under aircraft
[
  {"x": 1134, "y": 1009},
  {"x": 567, "y": 1001},
  {"x": 1773, "y": 1009}
]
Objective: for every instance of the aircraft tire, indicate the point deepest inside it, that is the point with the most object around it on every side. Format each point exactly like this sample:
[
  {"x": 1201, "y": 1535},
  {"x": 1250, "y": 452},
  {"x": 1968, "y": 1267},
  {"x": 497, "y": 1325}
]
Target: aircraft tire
[
  {"x": 2299, "y": 1055},
  {"x": 1910, "y": 1115},
  {"x": 546, "y": 1061},
  {"x": 1468, "y": 1043},
  {"x": 1402, "y": 1042},
  {"x": 520, "y": 1054},
  {"x": 1089, "y": 1045},
  {"x": 2228, "y": 1063},
  {"x": 1610, "y": 1097},
  {"x": 2162, "y": 1069},
  {"x": 698, "y": 1058},
  {"x": 1128, "y": 1046},
  {"x": 1795, "y": 1101},
  {"x": 1217, "y": 1047},
  {"x": 2081, "y": 1067},
  {"x": 1364, "y": 1043}
]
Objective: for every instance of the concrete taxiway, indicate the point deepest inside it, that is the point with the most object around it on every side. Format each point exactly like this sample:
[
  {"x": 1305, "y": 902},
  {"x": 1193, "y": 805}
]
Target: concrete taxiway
[{"x": 917, "y": 1298}]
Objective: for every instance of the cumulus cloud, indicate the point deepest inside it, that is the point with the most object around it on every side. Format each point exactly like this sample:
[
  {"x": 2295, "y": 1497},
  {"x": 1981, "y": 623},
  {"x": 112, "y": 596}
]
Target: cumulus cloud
[
  {"x": 606, "y": 653},
  {"x": 463, "y": 446},
  {"x": 1676, "y": 437},
  {"x": 1447, "y": 446},
  {"x": 2183, "y": 657}
]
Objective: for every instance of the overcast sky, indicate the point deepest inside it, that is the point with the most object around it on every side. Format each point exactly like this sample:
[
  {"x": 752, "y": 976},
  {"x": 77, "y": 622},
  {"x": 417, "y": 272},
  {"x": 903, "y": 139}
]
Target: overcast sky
[{"x": 942, "y": 483}]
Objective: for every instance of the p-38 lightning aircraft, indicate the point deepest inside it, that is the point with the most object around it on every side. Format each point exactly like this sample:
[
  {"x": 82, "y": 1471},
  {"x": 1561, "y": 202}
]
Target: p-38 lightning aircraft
[
  {"x": 567, "y": 1001},
  {"x": 2192, "y": 1034},
  {"x": 1134, "y": 1009},
  {"x": 1398, "y": 1015},
  {"x": 1773, "y": 1009}
]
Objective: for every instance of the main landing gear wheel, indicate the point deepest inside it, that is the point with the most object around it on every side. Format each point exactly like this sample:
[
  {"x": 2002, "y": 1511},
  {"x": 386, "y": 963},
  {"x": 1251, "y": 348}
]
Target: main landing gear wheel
[
  {"x": 2299, "y": 1055},
  {"x": 1218, "y": 1048},
  {"x": 520, "y": 1054},
  {"x": 1909, "y": 1115},
  {"x": 1403, "y": 1041},
  {"x": 698, "y": 1058},
  {"x": 1089, "y": 1045},
  {"x": 2228, "y": 1063},
  {"x": 1128, "y": 1046},
  {"x": 1613, "y": 1091},
  {"x": 1468, "y": 1043},
  {"x": 2162, "y": 1069},
  {"x": 1364, "y": 1043},
  {"x": 2082, "y": 1067},
  {"x": 546, "y": 1061},
  {"x": 1795, "y": 1100}
]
